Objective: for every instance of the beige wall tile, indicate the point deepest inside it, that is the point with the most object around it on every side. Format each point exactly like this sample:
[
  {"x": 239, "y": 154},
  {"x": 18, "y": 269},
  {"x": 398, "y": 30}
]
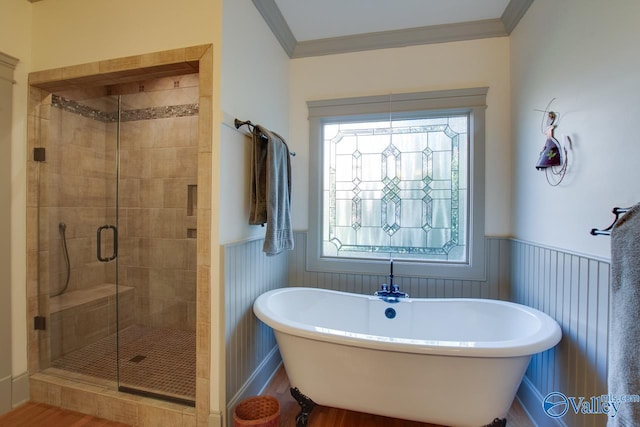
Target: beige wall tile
[
  {"x": 128, "y": 66},
  {"x": 204, "y": 180},
  {"x": 194, "y": 53},
  {"x": 78, "y": 400},
  {"x": 188, "y": 420},
  {"x": 158, "y": 417},
  {"x": 204, "y": 231},
  {"x": 44, "y": 392},
  {"x": 203, "y": 294},
  {"x": 117, "y": 409},
  {"x": 45, "y": 76},
  {"x": 161, "y": 58},
  {"x": 205, "y": 123},
  {"x": 203, "y": 393},
  {"x": 175, "y": 192},
  {"x": 203, "y": 350}
]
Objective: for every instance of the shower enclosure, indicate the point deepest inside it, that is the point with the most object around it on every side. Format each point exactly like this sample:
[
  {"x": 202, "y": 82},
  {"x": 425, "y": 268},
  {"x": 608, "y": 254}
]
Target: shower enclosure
[{"x": 116, "y": 206}]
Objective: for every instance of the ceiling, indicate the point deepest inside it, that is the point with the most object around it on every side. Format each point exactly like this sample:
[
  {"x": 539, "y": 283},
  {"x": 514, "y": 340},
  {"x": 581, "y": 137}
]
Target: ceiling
[{"x": 311, "y": 28}]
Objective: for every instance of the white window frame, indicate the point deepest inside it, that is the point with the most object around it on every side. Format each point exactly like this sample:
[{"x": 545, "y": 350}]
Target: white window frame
[{"x": 471, "y": 101}]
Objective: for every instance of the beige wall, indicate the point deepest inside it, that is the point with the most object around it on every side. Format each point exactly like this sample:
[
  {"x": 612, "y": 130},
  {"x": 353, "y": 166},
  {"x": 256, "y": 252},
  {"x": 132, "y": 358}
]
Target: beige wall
[
  {"x": 15, "y": 40},
  {"x": 7, "y": 65},
  {"x": 412, "y": 69},
  {"x": 75, "y": 31},
  {"x": 70, "y": 32}
]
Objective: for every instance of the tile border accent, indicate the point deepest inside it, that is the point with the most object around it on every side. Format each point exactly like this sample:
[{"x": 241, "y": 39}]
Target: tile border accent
[{"x": 151, "y": 113}]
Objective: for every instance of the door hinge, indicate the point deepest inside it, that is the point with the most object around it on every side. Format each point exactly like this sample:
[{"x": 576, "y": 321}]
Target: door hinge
[
  {"x": 39, "y": 154},
  {"x": 40, "y": 323}
]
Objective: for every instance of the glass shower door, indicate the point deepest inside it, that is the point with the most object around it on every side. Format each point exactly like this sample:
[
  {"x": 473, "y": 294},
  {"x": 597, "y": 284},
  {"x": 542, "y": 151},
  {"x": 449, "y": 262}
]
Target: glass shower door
[
  {"x": 156, "y": 258},
  {"x": 77, "y": 193},
  {"x": 117, "y": 247}
]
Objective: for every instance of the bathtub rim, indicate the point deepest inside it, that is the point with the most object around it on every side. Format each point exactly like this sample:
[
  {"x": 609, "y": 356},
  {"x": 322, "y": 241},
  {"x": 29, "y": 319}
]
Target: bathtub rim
[{"x": 548, "y": 334}]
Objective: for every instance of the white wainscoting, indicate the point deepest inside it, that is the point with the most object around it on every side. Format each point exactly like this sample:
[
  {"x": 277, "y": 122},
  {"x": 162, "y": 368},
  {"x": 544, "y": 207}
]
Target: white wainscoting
[{"x": 571, "y": 288}]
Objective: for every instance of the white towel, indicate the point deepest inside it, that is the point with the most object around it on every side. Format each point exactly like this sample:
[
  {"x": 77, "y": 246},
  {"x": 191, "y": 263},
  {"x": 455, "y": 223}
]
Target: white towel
[
  {"x": 271, "y": 190},
  {"x": 624, "y": 312}
]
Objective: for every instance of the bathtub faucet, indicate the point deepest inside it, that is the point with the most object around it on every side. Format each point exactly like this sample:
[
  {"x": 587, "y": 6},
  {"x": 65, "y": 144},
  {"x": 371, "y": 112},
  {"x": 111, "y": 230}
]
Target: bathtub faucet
[{"x": 390, "y": 290}]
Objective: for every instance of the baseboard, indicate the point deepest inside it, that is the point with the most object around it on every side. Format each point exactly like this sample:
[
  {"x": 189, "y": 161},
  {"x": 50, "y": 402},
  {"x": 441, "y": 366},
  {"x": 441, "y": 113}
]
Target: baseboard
[
  {"x": 215, "y": 420},
  {"x": 531, "y": 401},
  {"x": 257, "y": 381},
  {"x": 20, "y": 389},
  {"x": 5, "y": 394}
]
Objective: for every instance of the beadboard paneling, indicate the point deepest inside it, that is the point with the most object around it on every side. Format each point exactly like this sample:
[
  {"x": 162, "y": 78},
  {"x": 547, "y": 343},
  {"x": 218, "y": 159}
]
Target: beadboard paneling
[
  {"x": 574, "y": 290},
  {"x": 251, "y": 352},
  {"x": 495, "y": 287},
  {"x": 571, "y": 288}
]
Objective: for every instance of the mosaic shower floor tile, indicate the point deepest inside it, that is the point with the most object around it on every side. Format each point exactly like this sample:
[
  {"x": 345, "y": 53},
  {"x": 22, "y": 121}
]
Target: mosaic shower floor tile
[{"x": 151, "y": 359}]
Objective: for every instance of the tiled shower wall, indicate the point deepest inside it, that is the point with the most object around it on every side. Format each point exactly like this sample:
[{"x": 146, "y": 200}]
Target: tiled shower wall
[
  {"x": 75, "y": 190},
  {"x": 158, "y": 177},
  {"x": 571, "y": 288},
  {"x": 157, "y": 215}
]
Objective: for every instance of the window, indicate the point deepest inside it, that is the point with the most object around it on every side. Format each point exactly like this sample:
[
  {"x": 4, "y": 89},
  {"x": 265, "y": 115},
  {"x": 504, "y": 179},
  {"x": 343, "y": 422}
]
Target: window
[{"x": 398, "y": 177}]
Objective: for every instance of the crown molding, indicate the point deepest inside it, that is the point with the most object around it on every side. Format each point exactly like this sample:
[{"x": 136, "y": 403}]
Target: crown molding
[
  {"x": 401, "y": 38},
  {"x": 514, "y": 12},
  {"x": 7, "y": 67},
  {"x": 278, "y": 25},
  {"x": 8, "y": 61},
  {"x": 503, "y": 26}
]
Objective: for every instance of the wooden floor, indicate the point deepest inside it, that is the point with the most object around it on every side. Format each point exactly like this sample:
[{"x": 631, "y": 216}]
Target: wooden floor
[
  {"x": 323, "y": 416},
  {"x": 41, "y": 415}
]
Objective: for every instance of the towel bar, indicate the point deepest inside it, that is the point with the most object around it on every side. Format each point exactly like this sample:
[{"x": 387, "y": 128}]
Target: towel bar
[
  {"x": 607, "y": 231},
  {"x": 239, "y": 123}
]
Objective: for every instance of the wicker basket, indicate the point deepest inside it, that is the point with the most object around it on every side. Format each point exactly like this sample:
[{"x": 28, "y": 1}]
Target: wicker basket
[{"x": 259, "y": 411}]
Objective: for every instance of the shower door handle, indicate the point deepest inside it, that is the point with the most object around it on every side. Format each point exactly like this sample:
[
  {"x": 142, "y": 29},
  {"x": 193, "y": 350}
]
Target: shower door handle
[{"x": 115, "y": 243}]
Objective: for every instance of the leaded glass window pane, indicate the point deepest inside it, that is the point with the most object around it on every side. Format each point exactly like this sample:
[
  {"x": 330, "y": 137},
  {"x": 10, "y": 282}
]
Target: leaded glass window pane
[{"x": 396, "y": 189}]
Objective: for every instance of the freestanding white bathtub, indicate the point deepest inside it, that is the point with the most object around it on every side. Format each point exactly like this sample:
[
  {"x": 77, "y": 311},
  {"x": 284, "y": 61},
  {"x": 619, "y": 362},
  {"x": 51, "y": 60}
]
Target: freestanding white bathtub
[{"x": 454, "y": 362}]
